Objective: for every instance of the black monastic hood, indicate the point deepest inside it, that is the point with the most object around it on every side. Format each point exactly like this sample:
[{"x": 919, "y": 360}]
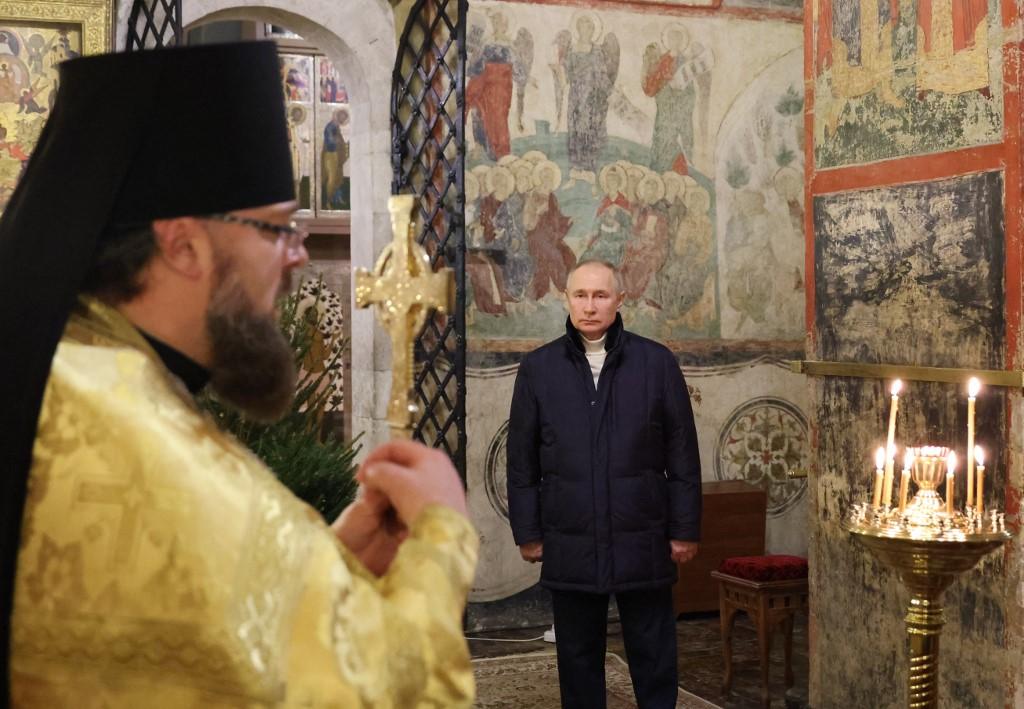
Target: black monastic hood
[{"x": 131, "y": 138}]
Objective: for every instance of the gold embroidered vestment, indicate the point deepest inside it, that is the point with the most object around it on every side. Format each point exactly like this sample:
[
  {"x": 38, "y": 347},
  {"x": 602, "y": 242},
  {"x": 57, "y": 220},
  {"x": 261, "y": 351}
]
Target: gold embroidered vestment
[{"x": 162, "y": 565}]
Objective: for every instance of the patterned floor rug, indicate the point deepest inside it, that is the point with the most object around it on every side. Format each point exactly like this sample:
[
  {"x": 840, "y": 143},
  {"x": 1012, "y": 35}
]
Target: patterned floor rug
[{"x": 530, "y": 681}]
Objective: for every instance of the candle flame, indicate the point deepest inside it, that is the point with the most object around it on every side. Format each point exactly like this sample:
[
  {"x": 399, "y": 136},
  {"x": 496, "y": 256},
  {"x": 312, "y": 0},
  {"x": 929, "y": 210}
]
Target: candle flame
[
  {"x": 908, "y": 460},
  {"x": 896, "y": 386},
  {"x": 973, "y": 387},
  {"x": 951, "y": 462},
  {"x": 880, "y": 457},
  {"x": 979, "y": 456}
]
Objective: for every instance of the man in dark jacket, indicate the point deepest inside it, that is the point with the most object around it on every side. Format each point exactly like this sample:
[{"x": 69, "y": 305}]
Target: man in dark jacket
[{"x": 604, "y": 487}]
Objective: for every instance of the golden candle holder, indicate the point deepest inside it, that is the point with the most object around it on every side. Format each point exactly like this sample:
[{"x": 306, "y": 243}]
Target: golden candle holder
[{"x": 928, "y": 546}]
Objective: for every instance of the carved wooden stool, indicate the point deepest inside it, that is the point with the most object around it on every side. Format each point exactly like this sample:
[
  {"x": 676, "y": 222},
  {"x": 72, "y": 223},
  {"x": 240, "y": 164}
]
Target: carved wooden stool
[{"x": 771, "y": 590}]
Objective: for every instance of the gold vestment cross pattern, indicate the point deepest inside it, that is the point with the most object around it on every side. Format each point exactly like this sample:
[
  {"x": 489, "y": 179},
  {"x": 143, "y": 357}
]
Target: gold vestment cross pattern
[{"x": 404, "y": 289}]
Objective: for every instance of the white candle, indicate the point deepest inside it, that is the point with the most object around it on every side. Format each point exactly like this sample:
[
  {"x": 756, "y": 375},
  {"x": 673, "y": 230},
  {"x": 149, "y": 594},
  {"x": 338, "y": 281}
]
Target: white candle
[
  {"x": 950, "y": 467},
  {"x": 980, "y": 457},
  {"x": 973, "y": 387},
  {"x": 890, "y": 445},
  {"x": 908, "y": 460},
  {"x": 890, "y": 464},
  {"x": 876, "y": 499}
]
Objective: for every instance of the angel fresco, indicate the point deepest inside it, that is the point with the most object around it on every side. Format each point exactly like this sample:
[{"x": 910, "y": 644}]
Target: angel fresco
[
  {"x": 677, "y": 74},
  {"x": 35, "y": 49},
  {"x": 587, "y": 64},
  {"x": 498, "y": 64}
]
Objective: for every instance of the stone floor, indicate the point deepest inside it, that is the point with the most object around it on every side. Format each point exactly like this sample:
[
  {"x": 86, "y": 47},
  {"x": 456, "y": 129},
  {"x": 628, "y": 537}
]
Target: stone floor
[{"x": 700, "y": 657}]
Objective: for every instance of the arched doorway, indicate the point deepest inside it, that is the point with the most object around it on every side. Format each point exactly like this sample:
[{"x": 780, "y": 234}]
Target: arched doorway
[{"x": 359, "y": 39}]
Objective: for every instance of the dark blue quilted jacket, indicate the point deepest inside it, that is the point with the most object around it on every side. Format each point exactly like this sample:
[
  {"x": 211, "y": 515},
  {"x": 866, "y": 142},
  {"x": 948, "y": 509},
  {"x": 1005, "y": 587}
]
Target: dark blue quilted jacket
[{"x": 606, "y": 476}]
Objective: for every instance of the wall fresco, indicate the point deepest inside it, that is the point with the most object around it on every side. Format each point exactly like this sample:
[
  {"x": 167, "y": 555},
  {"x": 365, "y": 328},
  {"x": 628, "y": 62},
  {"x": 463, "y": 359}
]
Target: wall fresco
[
  {"x": 611, "y": 134},
  {"x": 904, "y": 78},
  {"x": 912, "y": 274},
  {"x": 596, "y": 135},
  {"x": 759, "y": 187}
]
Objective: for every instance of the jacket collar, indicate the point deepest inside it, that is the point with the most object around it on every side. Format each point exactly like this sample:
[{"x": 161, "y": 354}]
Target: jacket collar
[{"x": 614, "y": 335}]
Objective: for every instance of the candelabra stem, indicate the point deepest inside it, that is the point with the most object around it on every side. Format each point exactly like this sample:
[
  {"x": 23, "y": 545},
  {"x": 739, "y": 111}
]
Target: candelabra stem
[
  {"x": 924, "y": 629},
  {"x": 927, "y": 566}
]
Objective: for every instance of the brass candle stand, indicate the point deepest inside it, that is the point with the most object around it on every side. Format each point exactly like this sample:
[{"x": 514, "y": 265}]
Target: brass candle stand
[{"x": 928, "y": 546}]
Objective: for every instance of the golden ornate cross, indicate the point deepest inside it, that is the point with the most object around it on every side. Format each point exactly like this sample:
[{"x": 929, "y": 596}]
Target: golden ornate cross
[{"x": 404, "y": 290}]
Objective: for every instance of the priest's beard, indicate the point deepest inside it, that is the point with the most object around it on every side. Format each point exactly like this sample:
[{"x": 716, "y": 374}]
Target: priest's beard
[{"x": 253, "y": 365}]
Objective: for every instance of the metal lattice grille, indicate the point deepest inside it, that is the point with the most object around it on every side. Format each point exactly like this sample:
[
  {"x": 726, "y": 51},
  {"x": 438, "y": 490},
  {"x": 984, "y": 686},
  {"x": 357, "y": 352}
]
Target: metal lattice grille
[
  {"x": 427, "y": 122},
  {"x": 153, "y": 24}
]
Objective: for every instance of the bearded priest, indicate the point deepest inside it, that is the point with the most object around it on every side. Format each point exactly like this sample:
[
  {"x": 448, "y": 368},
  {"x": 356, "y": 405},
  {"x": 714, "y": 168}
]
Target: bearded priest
[{"x": 149, "y": 559}]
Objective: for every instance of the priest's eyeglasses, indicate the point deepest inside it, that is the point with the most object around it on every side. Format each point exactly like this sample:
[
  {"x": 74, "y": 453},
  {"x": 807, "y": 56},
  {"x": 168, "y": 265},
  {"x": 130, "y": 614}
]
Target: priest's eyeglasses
[{"x": 291, "y": 234}]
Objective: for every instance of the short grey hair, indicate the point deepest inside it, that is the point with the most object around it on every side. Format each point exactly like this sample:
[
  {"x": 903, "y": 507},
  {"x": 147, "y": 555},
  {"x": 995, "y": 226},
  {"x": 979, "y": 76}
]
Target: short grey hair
[{"x": 616, "y": 275}]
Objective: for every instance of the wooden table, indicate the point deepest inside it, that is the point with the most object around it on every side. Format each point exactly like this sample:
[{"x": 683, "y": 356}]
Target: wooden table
[{"x": 732, "y": 524}]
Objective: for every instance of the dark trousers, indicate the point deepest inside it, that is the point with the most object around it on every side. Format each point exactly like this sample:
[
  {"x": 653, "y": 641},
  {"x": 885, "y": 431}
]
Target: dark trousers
[{"x": 649, "y": 634}]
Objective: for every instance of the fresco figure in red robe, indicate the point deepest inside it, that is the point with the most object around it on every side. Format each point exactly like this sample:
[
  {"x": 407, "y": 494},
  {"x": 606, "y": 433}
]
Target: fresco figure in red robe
[
  {"x": 546, "y": 228},
  {"x": 496, "y": 66}
]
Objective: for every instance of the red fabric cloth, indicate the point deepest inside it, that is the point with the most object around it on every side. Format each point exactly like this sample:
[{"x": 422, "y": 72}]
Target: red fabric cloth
[{"x": 774, "y": 567}]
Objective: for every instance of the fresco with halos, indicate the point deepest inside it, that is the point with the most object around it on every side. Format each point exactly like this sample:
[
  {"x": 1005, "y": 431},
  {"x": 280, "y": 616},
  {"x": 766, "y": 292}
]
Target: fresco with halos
[
  {"x": 29, "y": 55},
  {"x": 596, "y": 135},
  {"x": 671, "y": 146},
  {"x": 894, "y": 79}
]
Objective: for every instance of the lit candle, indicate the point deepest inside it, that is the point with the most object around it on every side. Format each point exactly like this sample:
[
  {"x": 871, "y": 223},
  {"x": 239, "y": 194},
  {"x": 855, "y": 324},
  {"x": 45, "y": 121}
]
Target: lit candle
[
  {"x": 908, "y": 460},
  {"x": 973, "y": 387},
  {"x": 980, "y": 457},
  {"x": 890, "y": 464},
  {"x": 879, "y": 464},
  {"x": 950, "y": 467},
  {"x": 890, "y": 445}
]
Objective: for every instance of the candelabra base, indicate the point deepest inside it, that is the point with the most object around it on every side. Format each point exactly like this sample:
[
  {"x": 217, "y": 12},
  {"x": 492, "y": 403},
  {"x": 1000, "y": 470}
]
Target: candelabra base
[{"x": 927, "y": 565}]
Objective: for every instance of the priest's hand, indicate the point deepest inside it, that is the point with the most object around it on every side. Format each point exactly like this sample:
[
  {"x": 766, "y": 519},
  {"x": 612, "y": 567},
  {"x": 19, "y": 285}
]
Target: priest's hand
[
  {"x": 532, "y": 551},
  {"x": 369, "y": 529},
  {"x": 412, "y": 476},
  {"x": 683, "y": 551}
]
